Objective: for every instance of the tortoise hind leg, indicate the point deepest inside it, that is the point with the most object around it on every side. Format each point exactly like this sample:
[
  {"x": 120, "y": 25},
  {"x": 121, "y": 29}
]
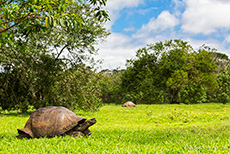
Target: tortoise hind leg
[{"x": 23, "y": 135}]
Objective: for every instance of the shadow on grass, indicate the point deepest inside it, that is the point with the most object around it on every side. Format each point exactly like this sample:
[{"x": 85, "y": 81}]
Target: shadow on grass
[
  {"x": 14, "y": 114},
  {"x": 8, "y": 136},
  {"x": 17, "y": 113}
]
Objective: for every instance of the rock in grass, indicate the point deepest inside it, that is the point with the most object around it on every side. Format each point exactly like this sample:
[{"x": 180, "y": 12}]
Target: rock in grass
[{"x": 55, "y": 121}]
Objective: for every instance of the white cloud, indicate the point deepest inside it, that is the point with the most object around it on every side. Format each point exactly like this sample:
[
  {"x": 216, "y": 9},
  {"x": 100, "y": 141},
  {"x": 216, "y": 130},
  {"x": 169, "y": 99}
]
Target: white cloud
[
  {"x": 199, "y": 17},
  {"x": 227, "y": 39},
  {"x": 129, "y": 29},
  {"x": 146, "y": 11},
  {"x": 113, "y": 15},
  {"x": 196, "y": 44},
  {"x": 114, "y": 7},
  {"x": 120, "y": 4},
  {"x": 212, "y": 43},
  {"x": 164, "y": 21},
  {"x": 206, "y": 16},
  {"x": 178, "y": 6},
  {"x": 118, "y": 47},
  {"x": 116, "y": 50}
]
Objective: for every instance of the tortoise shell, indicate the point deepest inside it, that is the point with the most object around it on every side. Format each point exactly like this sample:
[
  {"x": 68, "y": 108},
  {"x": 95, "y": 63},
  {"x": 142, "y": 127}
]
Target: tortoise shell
[
  {"x": 129, "y": 104},
  {"x": 50, "y": 121}
]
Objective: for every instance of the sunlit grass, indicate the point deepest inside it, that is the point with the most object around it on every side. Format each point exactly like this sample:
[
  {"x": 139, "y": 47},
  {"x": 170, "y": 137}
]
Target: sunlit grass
[{"x": 203, "y": 128}]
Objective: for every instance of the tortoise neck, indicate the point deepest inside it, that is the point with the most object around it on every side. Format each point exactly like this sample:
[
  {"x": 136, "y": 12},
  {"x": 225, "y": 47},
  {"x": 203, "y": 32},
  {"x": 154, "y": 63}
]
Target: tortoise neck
[{"x": 84, "y": 126}]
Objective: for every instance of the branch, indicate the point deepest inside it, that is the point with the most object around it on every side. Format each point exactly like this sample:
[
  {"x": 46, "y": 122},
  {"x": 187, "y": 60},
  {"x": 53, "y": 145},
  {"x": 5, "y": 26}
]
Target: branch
[
  {"x": 16, "y": 23},
  {"x": 24, "y": 18},
  {"x": 3, "y": 2},
  {"x": 4, "y": 30},
  {"x": 1, "y": 16},
  {"x": 66, "y": 59},
  {"x": 61, "y": 51}
]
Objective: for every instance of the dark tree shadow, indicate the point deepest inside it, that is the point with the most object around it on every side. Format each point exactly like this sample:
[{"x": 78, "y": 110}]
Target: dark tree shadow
[{"x": 15, "y": 114}]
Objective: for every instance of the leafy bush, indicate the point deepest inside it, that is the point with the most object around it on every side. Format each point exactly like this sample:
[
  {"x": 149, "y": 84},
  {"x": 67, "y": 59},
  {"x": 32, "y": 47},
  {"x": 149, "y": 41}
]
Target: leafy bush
[
  {"x": 170, "y": 72},
  {"x": 73, "y": 88},
  {"x": 78, "y": 88},
  {"x": 223, "y": 92},
  {"x": 193, "y": 94},
  {"x": 110, "y": 85}
]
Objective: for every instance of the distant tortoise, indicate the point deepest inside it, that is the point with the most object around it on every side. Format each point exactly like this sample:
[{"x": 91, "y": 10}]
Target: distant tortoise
[
  {"x": 55, "y": 121},
  {"x": 129, "y": 104}
]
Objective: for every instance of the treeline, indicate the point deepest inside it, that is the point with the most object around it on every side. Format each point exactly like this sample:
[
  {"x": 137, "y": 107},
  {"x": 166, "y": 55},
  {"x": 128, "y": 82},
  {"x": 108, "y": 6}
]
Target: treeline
[
  {"x": 165, "y": 72},
  {"x": 171, "y": 72}
]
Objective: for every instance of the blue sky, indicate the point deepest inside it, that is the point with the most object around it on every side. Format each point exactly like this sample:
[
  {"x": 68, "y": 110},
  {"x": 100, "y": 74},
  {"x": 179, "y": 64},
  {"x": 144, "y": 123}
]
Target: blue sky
[{"x": 136, "y": 23}]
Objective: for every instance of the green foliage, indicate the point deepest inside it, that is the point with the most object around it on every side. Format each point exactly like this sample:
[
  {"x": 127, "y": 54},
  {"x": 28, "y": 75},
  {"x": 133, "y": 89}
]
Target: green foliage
[
  {"x": 139, "y": 82},
  {"x": 177, "y": 79},
  {"x": 29, "y": 84},
  {"x": 110, "y": 82},
  {"x": 199, "y": 128},
  {"x": 42, "y": 45},
  {"x": 18, "y": 13},
  {"x": 223, "y": 92},
  {"x": 201, "y": 67},
  {"x": 170, "y": 72},
  {"x": 193, "y": 94},
  {"x": 73, "y": 88},
  {"x": 78, "y": 88}
]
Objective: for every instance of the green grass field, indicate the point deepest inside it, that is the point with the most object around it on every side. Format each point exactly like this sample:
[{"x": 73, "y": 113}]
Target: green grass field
[{"x": 203, "y": 128}]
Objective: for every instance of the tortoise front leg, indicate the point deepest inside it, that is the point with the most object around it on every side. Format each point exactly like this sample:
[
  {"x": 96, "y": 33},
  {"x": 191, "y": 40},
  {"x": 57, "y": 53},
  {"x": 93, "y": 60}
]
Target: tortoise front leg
[
  {"x": 77, "y": 133},
  {"x": 74, "y": 133}
]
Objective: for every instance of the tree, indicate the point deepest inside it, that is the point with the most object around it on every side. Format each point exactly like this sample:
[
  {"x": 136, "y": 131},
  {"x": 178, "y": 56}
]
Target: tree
[
  {"x": 170, "y": 72},
  {"x": 24, "y": 17},
  {"x": 171, "y": 67},
  {"x": 30, "y": 83},
  {"x": 139, "y": 81},
  {"x": 223, "y": 92},
  {"x": 220, "y": 59},
  {"x": 33, "y": 51},
  {"x": 19, "y": 13},
  {"x": 79, "y": 88},
  {"x": 201, "y": 77},
  {"x": 110, "y": 82}
]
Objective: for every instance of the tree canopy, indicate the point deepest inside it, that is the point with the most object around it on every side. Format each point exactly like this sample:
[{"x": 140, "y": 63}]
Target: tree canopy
[
  {"x": 19, "y": 13},
  {"x": 43, "y": 45},
  {"x": 173, "y": 72}
]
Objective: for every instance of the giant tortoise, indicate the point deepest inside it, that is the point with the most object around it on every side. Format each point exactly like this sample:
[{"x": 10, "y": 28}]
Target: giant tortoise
[
  {"x": 129, "y": 104},
  {"x": 55, "y": 121}
]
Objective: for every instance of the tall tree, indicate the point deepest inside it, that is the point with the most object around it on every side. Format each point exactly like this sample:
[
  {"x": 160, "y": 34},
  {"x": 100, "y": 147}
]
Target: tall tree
[
  {"x": 169, "y": 72},
  {"x": 200, "y": 68},
  {"x": 41, "y": 40},
  {"x": 223, "y": 91}
]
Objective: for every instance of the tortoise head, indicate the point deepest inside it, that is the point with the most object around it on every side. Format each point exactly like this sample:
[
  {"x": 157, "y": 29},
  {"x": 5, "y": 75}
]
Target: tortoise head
[
  {"x": 91, "y": 121},
  {"x": 84, "y": 125}
]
